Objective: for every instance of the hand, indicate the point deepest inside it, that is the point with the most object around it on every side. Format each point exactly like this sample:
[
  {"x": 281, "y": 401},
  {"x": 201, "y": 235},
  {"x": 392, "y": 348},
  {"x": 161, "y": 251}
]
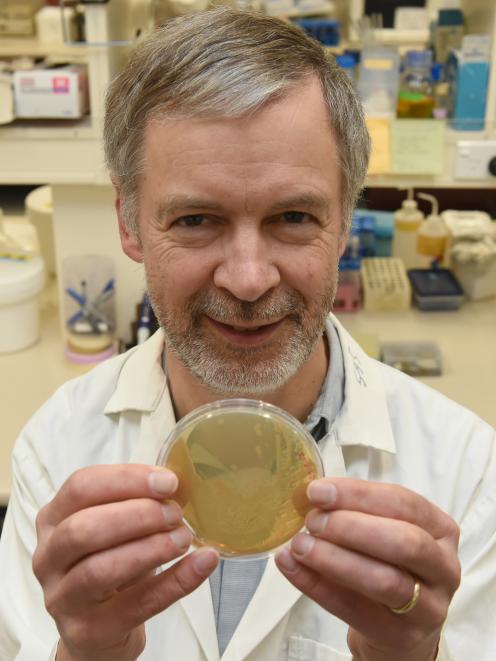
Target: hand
[
  {"x": 368, "y": 545},
  {"x": 100, "y": 541}
]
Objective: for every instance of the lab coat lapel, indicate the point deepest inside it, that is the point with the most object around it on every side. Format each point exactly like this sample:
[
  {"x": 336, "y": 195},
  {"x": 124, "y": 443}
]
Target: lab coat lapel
[
  {"x": 273, "y": 598},
  {"x": 155, "y": 426},
  {"x": 199, "y": 610}
]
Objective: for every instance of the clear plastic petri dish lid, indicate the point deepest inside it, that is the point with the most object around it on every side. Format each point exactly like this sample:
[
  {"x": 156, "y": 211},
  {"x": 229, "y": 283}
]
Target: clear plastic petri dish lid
[{"x": 243, "y": 467}]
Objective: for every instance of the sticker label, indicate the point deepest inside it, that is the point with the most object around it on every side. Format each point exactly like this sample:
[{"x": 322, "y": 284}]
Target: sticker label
[{"x": 60, "y": 85}]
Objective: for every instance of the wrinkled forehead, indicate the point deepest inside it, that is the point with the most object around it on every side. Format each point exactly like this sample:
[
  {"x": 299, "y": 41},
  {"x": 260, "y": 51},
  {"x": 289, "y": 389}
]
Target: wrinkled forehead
[{"x": 293, "y": 131}]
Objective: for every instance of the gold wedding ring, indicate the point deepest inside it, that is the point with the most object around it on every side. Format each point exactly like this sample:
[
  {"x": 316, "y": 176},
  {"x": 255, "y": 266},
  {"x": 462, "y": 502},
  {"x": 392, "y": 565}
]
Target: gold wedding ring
[{"x": 410, "y": 604}]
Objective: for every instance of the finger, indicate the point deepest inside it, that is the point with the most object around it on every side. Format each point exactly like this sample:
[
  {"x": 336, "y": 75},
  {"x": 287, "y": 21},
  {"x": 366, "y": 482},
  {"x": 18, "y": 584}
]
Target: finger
[
  {"x": 374, "y": 621},
  {"x": 376, "y": 580},
  {"x": 110, "y": 622},
  {"x": 155, "y": 594},
  {"x": 387, "y": 500},
  {"x": 104, "y": 526},
  {"x": 99, "y": 576},
  {"x": 395, "y": 542},
  {"x": 102, "y": 484}
]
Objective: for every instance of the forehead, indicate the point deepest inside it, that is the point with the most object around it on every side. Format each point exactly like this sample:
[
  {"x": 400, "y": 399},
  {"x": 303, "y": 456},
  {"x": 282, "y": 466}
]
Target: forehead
[{"x": 287, "y": 141}]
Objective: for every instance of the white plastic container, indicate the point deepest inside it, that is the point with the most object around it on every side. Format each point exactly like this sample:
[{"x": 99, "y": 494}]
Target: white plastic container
[
  {"x": 39, "y": 210},
  {"x": 20, "y": 285},
  {"x": 474, "y": 265}
]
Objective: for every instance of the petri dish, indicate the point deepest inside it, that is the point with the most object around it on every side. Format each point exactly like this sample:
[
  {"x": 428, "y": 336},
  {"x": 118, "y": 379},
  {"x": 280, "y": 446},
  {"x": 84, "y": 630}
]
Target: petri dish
[{"x": 243, "y": 467}]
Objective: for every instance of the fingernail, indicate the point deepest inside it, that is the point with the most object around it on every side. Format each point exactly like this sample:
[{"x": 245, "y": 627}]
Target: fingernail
[
  {"x": 321, "y": 492},
  {"x": 205, "y": 560},
  {"x": 317, "y": 522},
  {"x": 170, "y": 514},
  {"x": 181, "y": 537},
  {"x": 163, "y": 482},
  {"x": 286, "y": 561},
  {"x": 302, "y": 544}
]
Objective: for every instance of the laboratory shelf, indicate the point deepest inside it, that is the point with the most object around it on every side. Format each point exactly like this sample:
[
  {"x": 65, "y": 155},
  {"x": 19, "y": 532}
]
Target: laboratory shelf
[{"x": 11, "y": 47}]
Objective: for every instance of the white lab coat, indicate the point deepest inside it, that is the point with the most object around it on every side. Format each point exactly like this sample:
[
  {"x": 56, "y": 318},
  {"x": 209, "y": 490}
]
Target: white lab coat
[{"x": 390, "y": 429}]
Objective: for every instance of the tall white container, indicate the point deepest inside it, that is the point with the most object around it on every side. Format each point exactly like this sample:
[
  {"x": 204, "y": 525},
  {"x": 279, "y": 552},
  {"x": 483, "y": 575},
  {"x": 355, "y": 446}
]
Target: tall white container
[{"x": 20, "y": 285}]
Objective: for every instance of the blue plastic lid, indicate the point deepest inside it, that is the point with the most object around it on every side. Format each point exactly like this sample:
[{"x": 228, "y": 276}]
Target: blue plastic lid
[
  {"x": 437, "y": 72},
  {"x": 346, "y": 61},
  {"x": 450, "y": 17}
]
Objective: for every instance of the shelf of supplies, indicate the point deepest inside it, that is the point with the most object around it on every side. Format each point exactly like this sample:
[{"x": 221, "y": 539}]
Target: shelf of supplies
[
  {"x": 29, "y": 46},
  {"x": 32, "y": 129},
  {"x": 446, "y": 178},
  {"x": 55, "y": 151}
]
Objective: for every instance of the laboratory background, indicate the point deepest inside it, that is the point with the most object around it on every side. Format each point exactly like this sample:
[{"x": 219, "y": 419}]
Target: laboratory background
[{"x": 417, "y": 282}]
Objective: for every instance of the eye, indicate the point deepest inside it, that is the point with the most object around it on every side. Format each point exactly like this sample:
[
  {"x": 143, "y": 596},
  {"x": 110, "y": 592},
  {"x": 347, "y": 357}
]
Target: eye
[
  {"x": 295, "y": 217},
  {"x": 191, "y": 221}
]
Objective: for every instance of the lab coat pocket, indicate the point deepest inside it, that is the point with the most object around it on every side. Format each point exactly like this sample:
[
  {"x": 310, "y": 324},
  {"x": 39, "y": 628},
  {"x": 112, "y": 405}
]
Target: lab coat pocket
[{"x": 304, "y": 649}]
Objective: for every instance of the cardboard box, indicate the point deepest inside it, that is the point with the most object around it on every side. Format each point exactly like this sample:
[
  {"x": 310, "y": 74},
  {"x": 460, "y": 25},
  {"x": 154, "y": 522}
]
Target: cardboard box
[{"x": 57, "y": 93}]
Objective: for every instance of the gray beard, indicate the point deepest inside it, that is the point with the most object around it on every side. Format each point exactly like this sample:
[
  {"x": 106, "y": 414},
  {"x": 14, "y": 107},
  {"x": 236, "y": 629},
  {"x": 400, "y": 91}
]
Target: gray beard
[{"x": 232, "y": 370}]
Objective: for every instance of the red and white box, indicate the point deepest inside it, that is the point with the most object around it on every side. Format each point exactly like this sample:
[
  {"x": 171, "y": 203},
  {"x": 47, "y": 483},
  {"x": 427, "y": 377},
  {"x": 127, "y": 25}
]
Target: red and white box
[{"x": 57, "y": 93}]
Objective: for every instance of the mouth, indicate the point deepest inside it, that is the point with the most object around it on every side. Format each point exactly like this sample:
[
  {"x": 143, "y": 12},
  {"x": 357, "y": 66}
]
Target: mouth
[{"x": 246, "y": 334}]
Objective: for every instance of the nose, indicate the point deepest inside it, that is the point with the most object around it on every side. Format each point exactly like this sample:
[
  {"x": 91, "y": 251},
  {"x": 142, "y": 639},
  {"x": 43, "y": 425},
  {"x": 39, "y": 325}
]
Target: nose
[{"x": 246, "y": 270}]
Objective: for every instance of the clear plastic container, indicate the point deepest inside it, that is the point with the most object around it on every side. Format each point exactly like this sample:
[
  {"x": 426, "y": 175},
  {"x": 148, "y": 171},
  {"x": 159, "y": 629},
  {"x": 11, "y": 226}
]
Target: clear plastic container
[
  {"x": 88, "y": 305},
  {"x": 378, "y": 80},
  {"x": 416, "y": 94},
  {"x": 243, "y": 467}
]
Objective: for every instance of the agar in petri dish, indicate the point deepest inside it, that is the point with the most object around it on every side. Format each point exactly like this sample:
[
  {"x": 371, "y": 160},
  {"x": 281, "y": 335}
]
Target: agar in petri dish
[{"x": 243, "y": 468}]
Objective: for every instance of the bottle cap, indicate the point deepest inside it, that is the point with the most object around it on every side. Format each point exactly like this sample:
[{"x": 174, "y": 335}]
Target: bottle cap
[{"x": 450, "y": 17}]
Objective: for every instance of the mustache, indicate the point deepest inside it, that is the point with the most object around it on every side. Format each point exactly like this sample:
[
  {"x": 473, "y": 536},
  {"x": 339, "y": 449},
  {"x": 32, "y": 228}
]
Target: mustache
[{"x": 226, "y": 308}]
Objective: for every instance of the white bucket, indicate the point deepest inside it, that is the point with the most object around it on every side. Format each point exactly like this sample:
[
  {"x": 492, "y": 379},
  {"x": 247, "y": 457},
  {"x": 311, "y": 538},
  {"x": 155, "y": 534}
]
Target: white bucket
[{"x": 20, "y": 285}]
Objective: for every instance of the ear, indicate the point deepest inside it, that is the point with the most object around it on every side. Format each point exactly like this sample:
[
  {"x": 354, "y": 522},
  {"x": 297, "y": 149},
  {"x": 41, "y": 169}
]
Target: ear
[{"x": 130, "y": 241}]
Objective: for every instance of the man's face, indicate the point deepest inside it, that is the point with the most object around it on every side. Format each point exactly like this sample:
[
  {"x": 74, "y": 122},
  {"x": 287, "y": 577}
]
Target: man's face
[{"x": 240, "y": 232}]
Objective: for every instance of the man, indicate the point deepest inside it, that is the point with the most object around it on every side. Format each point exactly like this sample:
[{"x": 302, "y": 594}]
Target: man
[{"x": 237, "y": 152}]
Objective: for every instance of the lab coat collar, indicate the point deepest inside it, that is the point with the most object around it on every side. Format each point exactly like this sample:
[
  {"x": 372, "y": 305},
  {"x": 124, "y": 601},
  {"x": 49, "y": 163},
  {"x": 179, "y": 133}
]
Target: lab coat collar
[
  {"x": 363, "y": 419},
  {"x": 141, "y": 383}
]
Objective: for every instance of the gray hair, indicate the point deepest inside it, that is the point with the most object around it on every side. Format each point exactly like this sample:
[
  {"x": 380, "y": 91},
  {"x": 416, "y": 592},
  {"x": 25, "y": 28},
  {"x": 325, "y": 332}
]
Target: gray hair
[{"x": 225, "y": 63}]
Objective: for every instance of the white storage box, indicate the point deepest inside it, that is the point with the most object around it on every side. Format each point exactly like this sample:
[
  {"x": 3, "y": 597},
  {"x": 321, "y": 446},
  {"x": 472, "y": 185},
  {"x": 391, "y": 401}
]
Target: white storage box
[
  {"x": 58, "y": 93},
  {"x": 20, "y": 285}
]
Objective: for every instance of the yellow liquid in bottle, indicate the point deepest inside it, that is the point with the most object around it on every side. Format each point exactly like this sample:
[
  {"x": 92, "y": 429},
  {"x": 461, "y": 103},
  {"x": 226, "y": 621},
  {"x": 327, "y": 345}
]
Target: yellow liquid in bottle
[
  {"x": 415, "y": 106},
  {"x": 242, "y": 480}
]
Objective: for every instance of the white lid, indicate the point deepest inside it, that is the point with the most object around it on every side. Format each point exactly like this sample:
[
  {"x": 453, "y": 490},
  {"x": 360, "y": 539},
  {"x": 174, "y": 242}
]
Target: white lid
[
  {"x": 468, "y": 224},
  {"x": 20, "y": 280}
]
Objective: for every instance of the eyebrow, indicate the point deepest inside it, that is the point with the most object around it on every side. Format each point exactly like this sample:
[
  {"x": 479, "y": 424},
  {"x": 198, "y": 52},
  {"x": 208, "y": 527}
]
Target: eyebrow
[{"x": 178, "y": 203}]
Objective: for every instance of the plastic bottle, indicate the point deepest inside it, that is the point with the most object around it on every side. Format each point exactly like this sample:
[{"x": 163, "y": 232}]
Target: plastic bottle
[
  {"x": 432, "y": 235},
  {"x": 416, "y": 93},
  {"x": 449, "y": 30},
  {"x": 442, "y": 100},
  {"x": 407, "y": 221}
]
